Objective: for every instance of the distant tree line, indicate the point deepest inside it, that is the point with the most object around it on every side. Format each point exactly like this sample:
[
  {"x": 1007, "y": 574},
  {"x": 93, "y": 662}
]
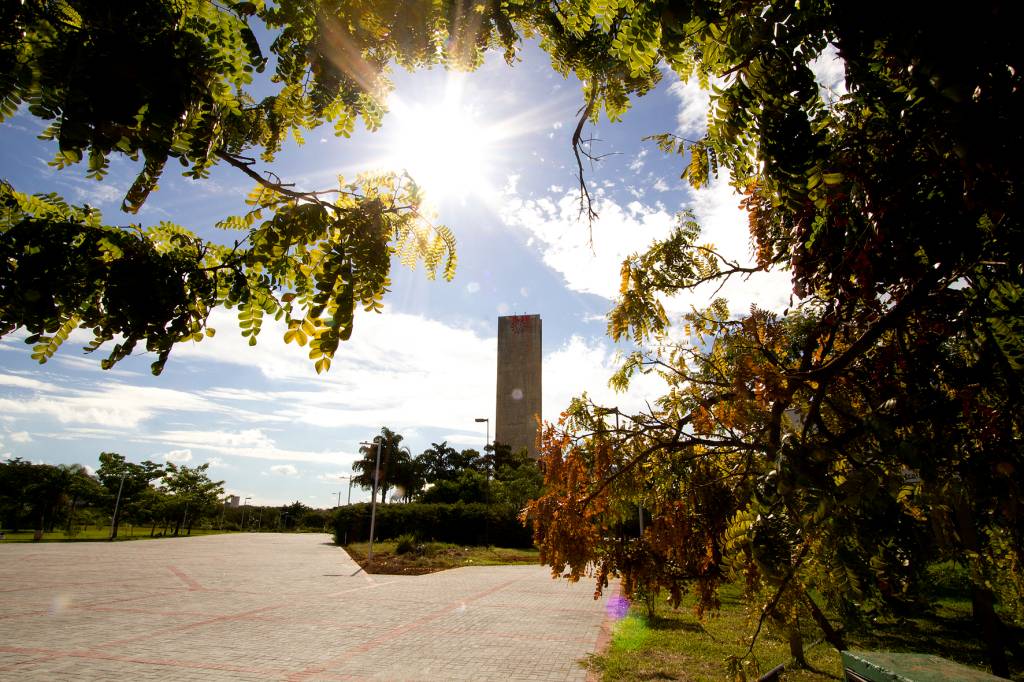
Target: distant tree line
[
  {"x": 459, "y": 496},
  {"x": 46, "y": 497},
  {"x": 442, "y": 474}
]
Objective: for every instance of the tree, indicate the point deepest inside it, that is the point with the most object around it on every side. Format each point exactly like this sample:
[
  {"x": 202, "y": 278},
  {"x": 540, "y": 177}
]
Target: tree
[
  {"x": 394, "y": 463},
  {"x": 468, "y": 486},
  {"x": 517, "y": 480},
  {"x": 441, "y": 462},
  {"x": 293, "y": 515},
  {"x": 891, "y": 393},
  {"x": 16, "y": 475},
  {"x": 192, "y": 491},
  {"x": 123, "y": 481}
]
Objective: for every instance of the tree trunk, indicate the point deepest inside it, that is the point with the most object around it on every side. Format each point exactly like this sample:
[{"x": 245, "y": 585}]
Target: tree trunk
[
  {"x": 832, "y": 636},
  {"x": 791, "y": 627},
  {"x": 796, "y": 643},
  {"x": 982, "y": 599},
  {"x": 71, "y": 514}
]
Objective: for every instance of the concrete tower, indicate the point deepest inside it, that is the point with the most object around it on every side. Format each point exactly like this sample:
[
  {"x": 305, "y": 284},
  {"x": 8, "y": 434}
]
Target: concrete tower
[{"x": 519, "y": 382}]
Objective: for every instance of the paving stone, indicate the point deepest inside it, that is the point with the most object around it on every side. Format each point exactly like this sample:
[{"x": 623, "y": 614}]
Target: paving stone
[{"x": 279, "y": 607}]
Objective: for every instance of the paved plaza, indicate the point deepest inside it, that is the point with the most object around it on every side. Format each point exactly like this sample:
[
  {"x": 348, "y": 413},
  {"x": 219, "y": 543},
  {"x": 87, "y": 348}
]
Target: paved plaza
[{"x": 280, "y": 607}]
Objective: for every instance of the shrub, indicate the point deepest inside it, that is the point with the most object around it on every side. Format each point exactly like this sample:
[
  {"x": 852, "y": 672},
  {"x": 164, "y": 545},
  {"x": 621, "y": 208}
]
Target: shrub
[
  {"x": 459, "y": 523},
  {"x": 406, "y": 543}
]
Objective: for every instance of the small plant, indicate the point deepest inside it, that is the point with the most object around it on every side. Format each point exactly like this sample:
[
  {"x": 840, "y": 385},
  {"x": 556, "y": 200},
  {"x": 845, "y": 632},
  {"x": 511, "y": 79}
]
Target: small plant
[{"x": 406, "y": 543}]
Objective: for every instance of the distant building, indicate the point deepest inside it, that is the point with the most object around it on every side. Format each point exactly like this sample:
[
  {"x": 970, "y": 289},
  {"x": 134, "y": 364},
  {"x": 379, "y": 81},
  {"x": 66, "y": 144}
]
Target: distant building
[
  {"x": 232, "y": 500},
  {"x": 518, "y": 404}
]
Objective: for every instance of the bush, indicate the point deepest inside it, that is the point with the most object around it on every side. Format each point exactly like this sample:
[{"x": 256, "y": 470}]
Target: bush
[
  {"x": 406, "y": 543},
  {"x": 460, "y": 523}
]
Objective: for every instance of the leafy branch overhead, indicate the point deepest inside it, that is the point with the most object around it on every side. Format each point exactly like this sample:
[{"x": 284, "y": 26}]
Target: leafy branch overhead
[{"x": 156, "y": 81}]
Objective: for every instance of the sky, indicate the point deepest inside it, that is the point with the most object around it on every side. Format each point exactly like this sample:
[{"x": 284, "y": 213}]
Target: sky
[{"x": 502, "y": 177}]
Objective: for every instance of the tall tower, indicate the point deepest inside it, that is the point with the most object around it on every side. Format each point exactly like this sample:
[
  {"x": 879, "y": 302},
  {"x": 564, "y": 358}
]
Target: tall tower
[{"x": 519, "y": 382}]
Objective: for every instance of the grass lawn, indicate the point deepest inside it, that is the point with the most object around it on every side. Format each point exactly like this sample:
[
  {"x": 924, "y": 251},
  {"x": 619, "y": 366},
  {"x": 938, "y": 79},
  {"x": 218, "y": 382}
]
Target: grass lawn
[
  {"x": 435, "y": 556},
  {"x": 676, "y": 646},
  {"x": 95, "y": 535}
]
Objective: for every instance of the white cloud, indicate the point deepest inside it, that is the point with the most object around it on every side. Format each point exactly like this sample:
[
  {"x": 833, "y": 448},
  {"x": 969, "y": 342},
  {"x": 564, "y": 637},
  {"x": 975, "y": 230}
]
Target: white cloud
[
  {"x": 565, "y": 241},
  {"x": 694, "y": 101},
  {"x": 582, "y": 365},
  {"x": 661, "y": 186},
  {"x": 472, "y": 287},
  {"x": 637, "y": 163},
  {"x": 178, "y": 456},
  {"x": 284, "y": 470},
  {"x": 725, "y": 225},
  {"x": 21, "y": 437},
  {"x": 15, "y": 381},
  {"x": 830, "y": 72},
  {"x": 378, "y": 377},
  {"x": 333, "y": 478},
  {"x": 111, "y": 404},
  {"x": 98, "y": 193}
]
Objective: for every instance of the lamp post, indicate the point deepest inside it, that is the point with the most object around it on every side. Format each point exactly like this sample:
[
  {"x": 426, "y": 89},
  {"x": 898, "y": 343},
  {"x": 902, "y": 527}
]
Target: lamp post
[
  {"x": 488, "y": 420},
  {"x": 117, "y": 504},
  {"x": 373, "y": 504},
  {"x": 244, "y": 503}
]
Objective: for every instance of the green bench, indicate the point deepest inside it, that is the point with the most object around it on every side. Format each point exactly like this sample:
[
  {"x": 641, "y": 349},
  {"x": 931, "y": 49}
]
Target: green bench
[{"x": 884, "y": 666}]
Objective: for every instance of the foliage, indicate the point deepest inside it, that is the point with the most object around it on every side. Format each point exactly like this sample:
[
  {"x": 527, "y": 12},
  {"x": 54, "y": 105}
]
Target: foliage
[
  {"x": 123, "y": 482},
  {"x": 469, "y": 486},
  {"x": 191, "y": 489},
  {"x": 405, "y": 543},
  {"x": 464, "y": 524},
  {"x": 441, "y": 462},
  {"x": 155, "y": 81},
  {"x": 41, "y": 495},
  {"x": 397, "y": 467},
  {"x": 833, "y": 451}
]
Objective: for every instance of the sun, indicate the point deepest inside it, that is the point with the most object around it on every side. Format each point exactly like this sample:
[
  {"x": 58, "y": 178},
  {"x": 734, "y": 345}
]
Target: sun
[{"x": 442, "y": 145}]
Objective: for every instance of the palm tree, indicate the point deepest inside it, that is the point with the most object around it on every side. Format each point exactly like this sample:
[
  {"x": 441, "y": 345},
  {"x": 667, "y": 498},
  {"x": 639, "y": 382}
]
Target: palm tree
[{"x": 390, "y": 460}]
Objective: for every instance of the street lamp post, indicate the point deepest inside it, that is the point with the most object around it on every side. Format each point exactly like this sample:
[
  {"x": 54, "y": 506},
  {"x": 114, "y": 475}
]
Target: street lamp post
[
  {"x": 373, "y": 504},
  {"x": 244, "y": 503},
  {"x": 488, "y": 420},
  {"x": 117, "y": 503}
]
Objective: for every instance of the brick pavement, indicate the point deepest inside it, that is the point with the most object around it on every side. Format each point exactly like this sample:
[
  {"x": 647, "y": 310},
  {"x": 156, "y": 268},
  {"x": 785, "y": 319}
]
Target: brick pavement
[{"x": 281, "y": 607}]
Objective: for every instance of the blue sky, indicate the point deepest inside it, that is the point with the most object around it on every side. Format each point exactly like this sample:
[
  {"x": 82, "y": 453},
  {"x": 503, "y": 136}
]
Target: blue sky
[{"x": 273, "y": 429}]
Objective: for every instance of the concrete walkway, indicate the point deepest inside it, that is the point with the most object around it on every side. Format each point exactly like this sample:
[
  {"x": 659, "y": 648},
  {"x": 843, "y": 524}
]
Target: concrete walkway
[{"x": 280, "y": 607}]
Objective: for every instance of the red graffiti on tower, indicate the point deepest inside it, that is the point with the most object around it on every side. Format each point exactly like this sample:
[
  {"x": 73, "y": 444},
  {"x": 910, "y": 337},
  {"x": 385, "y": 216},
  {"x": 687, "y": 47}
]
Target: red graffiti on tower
[{"x": 520, "y": 323}]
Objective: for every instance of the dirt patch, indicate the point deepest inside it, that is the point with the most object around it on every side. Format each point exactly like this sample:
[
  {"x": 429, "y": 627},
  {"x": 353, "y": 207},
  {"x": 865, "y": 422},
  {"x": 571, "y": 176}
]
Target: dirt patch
[{"x": 433, "y": 557}]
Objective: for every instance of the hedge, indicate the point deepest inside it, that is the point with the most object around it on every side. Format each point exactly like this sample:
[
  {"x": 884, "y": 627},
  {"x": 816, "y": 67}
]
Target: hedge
[{"x": 459, "y": 523}]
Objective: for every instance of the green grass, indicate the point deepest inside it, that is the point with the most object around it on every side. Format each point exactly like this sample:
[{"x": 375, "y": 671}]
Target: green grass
[
  {"x": 95, "y": 535},
  {"x": 674, "y": 645},
  {"x": 435, "y": 556}
]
